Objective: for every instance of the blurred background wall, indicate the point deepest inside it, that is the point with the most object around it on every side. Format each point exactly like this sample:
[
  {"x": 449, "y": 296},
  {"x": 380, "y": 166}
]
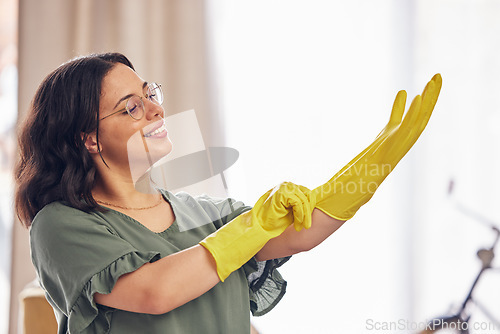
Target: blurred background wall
[{"x": 299, "y": 88}]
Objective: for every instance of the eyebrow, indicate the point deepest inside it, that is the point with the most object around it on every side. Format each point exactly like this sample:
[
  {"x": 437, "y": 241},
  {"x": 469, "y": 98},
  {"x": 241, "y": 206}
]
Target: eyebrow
[{"x": 128, "y": 96}]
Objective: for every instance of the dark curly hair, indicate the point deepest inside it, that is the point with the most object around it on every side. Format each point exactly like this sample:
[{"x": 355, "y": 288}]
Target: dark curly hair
[{"x": 54, "y": 164}]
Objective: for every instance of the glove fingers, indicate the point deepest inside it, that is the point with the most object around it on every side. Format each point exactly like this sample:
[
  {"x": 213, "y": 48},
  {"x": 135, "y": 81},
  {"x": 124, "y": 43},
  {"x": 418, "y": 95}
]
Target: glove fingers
[
  {"x": 420, "y": 114},
  {"x": 299, "y": 203},
  {"x": 304, "y": 211},
  {"x": 309, "y": 202},
  {"x": 407, "y": 133},
  {"x": 310, "y": 196},
  {"x": 398, "y": 108},
  {"x": 433, "y": 86},
  {"x": 397, "y": 113},
  {"x": 429, "y": 98},
  {"x": 412, "y": 115},
  {"x": 299, "y": 198},
  {"x": 306, "y": 223},
  {"x": 428, "y": 101},
  {"x": 288, "y": 198}
]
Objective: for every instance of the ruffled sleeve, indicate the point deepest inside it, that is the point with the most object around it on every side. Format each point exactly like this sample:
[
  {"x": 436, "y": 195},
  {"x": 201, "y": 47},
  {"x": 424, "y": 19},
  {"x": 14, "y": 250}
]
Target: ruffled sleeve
[
  {"x": 76, "y": 255},
  {"x": 84, "y": 316},
  {"x": 266, "y": 285}
]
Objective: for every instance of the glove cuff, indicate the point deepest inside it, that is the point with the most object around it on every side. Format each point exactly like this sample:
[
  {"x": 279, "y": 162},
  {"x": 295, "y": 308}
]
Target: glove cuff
[{"x": 237, "y": 242}]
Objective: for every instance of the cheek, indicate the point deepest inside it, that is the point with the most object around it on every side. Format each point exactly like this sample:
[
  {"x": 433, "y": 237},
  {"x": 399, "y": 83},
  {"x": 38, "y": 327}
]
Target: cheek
[
  {"x": 114, "y": 141},
  {"x": 116, "y": 135}
]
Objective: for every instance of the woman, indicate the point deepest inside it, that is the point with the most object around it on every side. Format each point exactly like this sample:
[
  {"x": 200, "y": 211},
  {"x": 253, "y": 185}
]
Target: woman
[{"x": 113, "y": 259}]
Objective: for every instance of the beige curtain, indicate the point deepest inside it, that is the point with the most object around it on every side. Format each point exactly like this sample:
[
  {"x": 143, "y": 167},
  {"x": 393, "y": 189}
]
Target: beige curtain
[{"x": 165, "y": 40}]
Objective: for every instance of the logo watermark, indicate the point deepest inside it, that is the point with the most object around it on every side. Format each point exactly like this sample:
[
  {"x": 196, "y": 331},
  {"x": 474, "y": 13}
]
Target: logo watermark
[
  {"x": 431, "y": 325},
  {"x": 364, "y": 179}
]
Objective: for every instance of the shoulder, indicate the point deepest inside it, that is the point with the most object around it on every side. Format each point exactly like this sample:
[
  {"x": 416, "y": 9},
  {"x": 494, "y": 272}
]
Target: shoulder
[
  {"x": 57, "y": 213},
  {"x": 60, "y": 232},
  {"x": 57, "y": 220},
  {"x": 56, "y": 209}
]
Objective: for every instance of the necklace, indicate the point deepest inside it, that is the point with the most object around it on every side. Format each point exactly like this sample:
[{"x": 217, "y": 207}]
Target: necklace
[{"x": 129, "y": 208}]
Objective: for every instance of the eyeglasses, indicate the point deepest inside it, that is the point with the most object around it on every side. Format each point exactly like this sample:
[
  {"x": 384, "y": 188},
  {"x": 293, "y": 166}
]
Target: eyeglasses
[{"x": 135, "y": 106}]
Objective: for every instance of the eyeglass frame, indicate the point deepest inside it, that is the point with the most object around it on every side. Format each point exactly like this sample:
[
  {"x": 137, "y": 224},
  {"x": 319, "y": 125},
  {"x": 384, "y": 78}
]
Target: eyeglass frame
[{"x": 142, "y": 103}]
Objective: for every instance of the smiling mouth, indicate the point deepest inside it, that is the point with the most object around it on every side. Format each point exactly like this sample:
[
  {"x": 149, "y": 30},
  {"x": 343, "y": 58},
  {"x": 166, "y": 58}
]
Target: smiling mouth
[{"x": 157, "y": 131}]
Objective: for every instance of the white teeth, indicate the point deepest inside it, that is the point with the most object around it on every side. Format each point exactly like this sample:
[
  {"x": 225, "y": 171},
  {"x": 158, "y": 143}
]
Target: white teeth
[{"x": 155, "y": 132}]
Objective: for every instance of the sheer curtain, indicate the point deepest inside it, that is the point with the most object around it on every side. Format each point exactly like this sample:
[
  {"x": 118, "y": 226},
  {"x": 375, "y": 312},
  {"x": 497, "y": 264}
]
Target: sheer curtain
[
  {"x": 305, "y": 86},
  {"x": 8, "y": 105}
]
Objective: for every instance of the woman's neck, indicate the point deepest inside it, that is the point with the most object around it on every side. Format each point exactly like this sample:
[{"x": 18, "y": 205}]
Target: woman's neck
[{"x": 122, "y": 190}]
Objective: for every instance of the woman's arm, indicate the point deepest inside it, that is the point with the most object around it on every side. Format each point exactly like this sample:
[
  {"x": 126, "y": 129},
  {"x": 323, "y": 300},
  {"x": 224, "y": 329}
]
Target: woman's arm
[
  {"x": 176, "y": 279},
  {"x": 293, "y": 242},
  {"x": 164, "y": 285}
]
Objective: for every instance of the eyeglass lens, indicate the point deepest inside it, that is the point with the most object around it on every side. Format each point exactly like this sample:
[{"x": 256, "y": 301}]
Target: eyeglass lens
[
  {"x": 155, "y": 93},
  {"x": 135, "y": 106}
]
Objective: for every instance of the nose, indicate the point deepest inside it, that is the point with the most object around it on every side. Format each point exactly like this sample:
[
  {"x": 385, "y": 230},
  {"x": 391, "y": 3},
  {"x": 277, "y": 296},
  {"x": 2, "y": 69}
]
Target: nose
[{"x": 152, "y": 110}]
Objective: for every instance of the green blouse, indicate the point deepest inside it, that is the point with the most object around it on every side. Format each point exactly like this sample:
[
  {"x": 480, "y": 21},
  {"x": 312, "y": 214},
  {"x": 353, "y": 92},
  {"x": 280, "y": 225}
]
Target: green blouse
[{"x": 77, "y": 254}]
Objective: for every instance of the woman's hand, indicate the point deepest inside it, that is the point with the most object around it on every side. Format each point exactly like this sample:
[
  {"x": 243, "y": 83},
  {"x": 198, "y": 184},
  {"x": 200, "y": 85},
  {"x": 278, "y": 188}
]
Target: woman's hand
[
  {"x": 239, "y": 240},
  {"x": 355, "y": 183},
  {"x": 284, "y": 205}
]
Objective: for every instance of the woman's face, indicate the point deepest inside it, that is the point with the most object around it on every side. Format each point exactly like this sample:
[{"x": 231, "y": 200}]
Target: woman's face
[{"x": 128, "y": 144}]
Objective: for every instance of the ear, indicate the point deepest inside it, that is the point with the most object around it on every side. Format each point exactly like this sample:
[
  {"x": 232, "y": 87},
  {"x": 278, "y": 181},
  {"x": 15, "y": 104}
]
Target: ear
[{"x": 90, "y": 142}]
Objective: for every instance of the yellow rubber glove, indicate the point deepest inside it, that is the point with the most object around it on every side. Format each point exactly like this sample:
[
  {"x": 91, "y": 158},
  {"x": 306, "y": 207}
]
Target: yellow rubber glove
[
  {"x": 239, "y": 240},
  {"x": 355, "y": 183}
]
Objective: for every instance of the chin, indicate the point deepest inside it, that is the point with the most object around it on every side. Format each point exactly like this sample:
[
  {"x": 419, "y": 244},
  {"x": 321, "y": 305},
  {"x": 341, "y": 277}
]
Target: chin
[
  {"x": 144, "y": 153},
  {"x": 160, "y": 151}
]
